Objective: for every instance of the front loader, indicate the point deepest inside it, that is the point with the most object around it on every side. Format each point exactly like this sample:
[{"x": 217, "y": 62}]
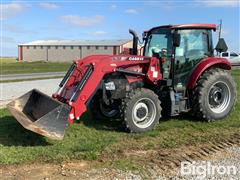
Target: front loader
[{"x": 176, "y": 73}]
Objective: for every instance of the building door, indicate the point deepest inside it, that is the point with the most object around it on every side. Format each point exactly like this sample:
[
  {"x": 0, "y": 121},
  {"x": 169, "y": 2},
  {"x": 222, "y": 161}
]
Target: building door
[
  {"x": 114, "y": 50},
  {"x": 20, "y": 56}
]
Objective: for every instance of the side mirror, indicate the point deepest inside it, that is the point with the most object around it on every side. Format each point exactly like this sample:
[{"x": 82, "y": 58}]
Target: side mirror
[
  {"x": 176, "y": 39},
  {"x": 144, "y": 36},
  {"x": 221, "y": 46}
]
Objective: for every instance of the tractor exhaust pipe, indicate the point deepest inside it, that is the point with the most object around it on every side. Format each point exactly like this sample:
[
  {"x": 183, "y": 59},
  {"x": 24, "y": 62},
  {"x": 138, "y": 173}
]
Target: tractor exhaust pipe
[{"x": 134, "y": 50}]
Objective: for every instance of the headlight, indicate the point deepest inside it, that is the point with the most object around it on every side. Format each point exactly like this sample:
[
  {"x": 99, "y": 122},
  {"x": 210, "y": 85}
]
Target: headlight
[{"x": 110, "y": 86}]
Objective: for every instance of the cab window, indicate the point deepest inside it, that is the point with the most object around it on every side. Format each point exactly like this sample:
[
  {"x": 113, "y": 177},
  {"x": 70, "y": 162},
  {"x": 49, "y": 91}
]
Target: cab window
[{"x": 194, "y": 44}]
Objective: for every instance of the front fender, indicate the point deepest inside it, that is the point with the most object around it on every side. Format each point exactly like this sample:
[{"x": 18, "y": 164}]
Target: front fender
[{"x": 207, "y": 64}]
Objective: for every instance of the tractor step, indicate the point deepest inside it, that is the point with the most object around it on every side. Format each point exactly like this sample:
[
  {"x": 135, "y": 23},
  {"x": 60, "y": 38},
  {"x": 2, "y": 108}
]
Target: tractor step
[{"x": 41, "y": 114}]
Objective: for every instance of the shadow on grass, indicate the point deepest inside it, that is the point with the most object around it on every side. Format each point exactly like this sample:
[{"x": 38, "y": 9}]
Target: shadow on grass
[
  {"x": 102, "y": 124},
  {"x": 181, "y": 117},
  {"x": 13, "y": 134},
  {"x": 117, "y": 124}
]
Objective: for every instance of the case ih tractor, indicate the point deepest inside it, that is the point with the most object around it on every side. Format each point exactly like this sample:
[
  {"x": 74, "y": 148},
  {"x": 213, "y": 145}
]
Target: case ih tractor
[{"x": 177, "y": 72}]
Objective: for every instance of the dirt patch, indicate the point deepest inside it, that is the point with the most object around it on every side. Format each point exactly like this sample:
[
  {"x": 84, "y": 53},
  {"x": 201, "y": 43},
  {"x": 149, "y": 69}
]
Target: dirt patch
[
  {"x": 68, "y": 170},
  {"x": 38, "y": 171}
]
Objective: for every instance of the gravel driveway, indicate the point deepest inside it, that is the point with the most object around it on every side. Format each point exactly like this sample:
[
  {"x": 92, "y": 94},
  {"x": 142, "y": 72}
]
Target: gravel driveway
[
  {"x": 10, "y": 91},
  {"x": 220, "y": 166}
]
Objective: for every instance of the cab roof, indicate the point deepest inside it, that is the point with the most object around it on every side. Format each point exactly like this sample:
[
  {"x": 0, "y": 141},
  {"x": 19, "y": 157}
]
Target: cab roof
[{"x": 187, "y": 26}]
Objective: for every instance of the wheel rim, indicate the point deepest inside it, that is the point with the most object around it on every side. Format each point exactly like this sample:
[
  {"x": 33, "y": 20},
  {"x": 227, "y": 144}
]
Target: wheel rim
[
  {"x": 219, "y": 97},
  {"x": 144, "y": 113},
  {"x": 108, "y": 111}
]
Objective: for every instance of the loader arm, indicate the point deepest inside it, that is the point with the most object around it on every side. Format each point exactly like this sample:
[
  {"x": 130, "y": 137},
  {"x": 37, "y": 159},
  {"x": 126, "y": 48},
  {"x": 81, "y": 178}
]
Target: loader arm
[{"x": 95, "y": 69}]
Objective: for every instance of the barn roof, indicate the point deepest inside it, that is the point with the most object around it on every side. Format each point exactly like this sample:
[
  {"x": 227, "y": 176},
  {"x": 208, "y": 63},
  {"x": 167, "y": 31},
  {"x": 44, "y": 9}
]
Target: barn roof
[{"x": 76, "y": 42}]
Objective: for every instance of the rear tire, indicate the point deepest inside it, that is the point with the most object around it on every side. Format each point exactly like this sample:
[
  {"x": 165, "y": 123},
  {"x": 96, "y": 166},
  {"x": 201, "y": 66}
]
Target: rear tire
[
  {"x": 141, "y": 110},
  {"x": 215, "y": 95}
]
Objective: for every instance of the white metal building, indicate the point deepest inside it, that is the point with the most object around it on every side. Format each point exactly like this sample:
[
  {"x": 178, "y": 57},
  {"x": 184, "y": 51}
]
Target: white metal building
[{"x": 65, "y": 50}]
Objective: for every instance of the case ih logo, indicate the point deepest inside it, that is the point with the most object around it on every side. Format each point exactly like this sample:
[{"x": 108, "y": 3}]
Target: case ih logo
[{"x": 133, "y": 58}]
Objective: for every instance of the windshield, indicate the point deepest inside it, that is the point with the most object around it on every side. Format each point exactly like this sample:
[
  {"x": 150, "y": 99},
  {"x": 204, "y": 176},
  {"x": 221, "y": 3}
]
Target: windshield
[{"x": 158, "y": 40}]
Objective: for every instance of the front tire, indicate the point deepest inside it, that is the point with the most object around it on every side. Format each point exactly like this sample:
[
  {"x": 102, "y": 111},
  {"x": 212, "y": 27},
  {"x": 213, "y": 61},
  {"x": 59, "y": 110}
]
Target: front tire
[
  {"x": 215, "y": 95},
  {"x": 141, "y": 110}
]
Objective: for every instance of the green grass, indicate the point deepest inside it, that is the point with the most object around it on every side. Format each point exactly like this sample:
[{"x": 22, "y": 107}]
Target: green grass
[
  {"x": 92, "y": 140},
  {"x": 8, "y": 60},
  {"x": 10, "y": 66}
]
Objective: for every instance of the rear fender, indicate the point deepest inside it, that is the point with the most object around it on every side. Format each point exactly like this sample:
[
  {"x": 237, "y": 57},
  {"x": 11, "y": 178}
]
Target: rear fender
[{"x": 205, "y": 65}]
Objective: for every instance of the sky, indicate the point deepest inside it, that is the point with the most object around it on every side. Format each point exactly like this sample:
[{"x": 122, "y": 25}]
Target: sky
[{"x": 25, "y": 21}]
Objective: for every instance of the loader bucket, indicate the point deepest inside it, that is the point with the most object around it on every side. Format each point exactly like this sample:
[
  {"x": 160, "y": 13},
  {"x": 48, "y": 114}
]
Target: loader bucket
[{"x": 41, "y": 114}]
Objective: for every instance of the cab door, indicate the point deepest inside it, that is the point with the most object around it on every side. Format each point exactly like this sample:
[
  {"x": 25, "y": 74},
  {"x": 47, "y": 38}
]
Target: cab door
[{"x": 194, "y": 46}]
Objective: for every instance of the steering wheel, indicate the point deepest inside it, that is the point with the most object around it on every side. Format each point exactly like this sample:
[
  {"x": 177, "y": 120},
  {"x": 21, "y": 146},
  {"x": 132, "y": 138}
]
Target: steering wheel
[{"x": 163, "y": 52}]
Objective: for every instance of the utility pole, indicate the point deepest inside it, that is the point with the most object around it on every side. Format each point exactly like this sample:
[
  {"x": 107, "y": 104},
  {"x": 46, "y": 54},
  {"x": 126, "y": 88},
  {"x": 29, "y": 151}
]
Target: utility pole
[
  {"x": 219, "y": 33},
  {"x": 220, "y": 29}
]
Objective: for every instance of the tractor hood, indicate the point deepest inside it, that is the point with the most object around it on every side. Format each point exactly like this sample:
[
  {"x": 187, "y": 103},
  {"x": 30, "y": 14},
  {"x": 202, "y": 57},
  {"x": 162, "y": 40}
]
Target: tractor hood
[{"x": 112, "y": 58}]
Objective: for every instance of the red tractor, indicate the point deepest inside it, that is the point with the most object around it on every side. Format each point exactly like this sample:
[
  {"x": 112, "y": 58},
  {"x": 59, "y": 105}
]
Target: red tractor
[{"x": 177, "y": 73}]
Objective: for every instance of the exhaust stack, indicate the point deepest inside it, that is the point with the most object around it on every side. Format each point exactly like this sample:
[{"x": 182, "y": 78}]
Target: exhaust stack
[{"x": 134, "y": 50}]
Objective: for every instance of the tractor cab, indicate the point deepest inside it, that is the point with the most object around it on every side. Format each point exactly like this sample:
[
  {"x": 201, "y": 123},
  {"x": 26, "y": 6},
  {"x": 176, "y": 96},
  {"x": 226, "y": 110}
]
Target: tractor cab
[{"x": 179, "y": 48}]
